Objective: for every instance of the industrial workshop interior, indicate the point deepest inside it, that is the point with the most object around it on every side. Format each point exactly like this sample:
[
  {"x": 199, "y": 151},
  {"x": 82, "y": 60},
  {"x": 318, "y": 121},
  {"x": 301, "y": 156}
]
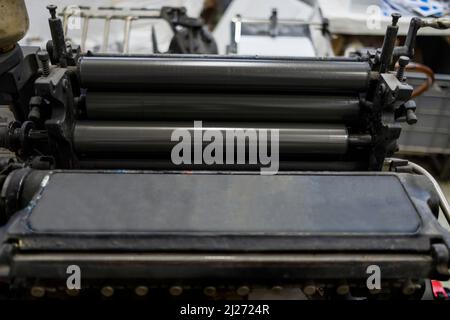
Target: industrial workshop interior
[{"x": 229, "y": 153}]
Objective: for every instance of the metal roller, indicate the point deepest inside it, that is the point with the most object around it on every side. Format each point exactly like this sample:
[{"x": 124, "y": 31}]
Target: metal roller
[
  {"x": 166, "y": 164},
  {"x": 186, "y": 73},
  {"x": 119, "y": 137},
  {"x": 220, "y": 107}
]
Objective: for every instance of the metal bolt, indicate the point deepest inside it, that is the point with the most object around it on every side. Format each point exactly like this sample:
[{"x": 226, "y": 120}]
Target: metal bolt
[
  {"x": 72, "y": 292},
  {"x": 309, "y": 289},
  {"x": 411, "y": 117},
  {"x": 410, "y": 287},
  {"x": 343, "y": 289},
  {"x": 210, "y": 291},
  {"x": 52, "y": 9},
  {"x": 37, "y": 292},
  {"x": 374, "y": 291},
  {"x": 243, "y": 291},
  {"x": 107, "y": 291},
  {"x": 141, "y": 291},
  {"x": 402, "y": 62},
  {"x": 176, "y": 290},
  {"x": 43, "y": 57},
  {"x": 395, "y": 17},
  {"x": 277, "y": 289}
]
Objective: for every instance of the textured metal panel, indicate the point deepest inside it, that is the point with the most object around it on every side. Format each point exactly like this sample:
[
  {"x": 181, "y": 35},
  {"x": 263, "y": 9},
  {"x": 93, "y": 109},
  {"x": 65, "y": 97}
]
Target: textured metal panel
[{"x": 236, "y": 204}]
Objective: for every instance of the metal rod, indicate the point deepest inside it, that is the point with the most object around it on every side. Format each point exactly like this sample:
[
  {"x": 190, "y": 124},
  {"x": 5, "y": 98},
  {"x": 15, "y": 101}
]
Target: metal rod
[
  {"x": 106, "y": 34},
  {"x": 127, "y": 31},
  {"x": 118, "y": 13},
  {"x": 57, "y": 32},
  {"x": 84, "y": 33},
  {"x": 389, "y": 44},
  {"x": 219, "y": 57},
  {"x": 66, "y": 17}
]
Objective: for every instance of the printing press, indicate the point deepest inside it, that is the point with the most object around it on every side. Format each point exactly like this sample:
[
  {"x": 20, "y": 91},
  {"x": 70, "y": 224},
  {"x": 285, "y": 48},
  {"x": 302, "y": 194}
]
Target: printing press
[{"x": 91, "y": 181}]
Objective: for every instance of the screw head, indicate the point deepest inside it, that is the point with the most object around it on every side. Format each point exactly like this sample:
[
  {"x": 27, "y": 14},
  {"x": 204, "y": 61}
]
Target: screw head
[
  {"x": 37, "y": 292},
  {"x": 309, "y": 289},
  {"x": 52, "y": 9},
  {"x": 243, "y": 291},
  {"x": 343, "y": 289},
  {"x": 176, "y": 290},
  {"x": 277, "y": 289},
  {"x": 141, "y": 291},
  {"x": 210, "y": 291},
  {"x": 72, "y": 292},
  {"x": 395, "y": 17},
  {"x": 107, "y": 291},
  {"x": 403, "y": 61}
]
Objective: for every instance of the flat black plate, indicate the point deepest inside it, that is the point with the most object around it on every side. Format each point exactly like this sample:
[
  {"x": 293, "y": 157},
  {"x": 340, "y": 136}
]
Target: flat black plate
[{"x": 205, "y": 203}]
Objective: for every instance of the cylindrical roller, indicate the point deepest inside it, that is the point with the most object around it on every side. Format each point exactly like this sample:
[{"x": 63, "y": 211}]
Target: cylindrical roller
[
  {"x": 137, "y": 138},
  {"x": 221, "y": 74},
  {"x": 220, "y": 107},
  {"x": 166, "y": 164}
]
